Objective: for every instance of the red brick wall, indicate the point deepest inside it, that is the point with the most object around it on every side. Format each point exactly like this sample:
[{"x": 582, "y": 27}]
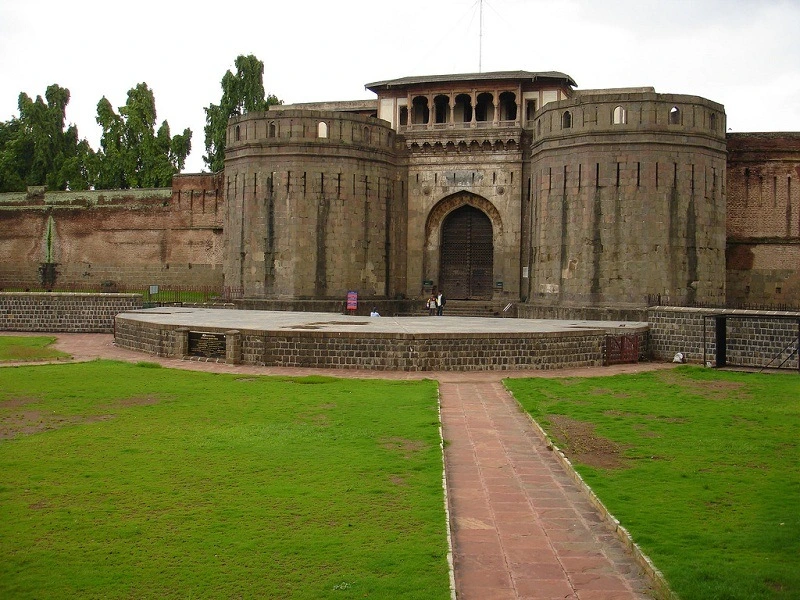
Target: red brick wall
[
  {"x": 129, "y": 237},
  {"x": 763, "y": 222}
]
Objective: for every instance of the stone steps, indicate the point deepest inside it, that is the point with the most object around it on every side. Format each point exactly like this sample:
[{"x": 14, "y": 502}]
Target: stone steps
[{"x": 473, "y": 308}]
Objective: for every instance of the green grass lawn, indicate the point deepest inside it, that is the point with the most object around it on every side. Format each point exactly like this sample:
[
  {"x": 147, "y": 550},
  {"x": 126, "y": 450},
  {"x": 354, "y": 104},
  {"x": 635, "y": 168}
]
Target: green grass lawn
[
  {"x": 25, "y": 348},
  {"x": 701, "y": 466},
  {"x": 120, "y": 481}
]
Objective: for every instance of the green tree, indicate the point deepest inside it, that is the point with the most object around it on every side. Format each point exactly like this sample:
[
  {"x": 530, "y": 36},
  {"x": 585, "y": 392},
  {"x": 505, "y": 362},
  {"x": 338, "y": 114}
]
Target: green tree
[
  {"x": 35, "y": 149},
  {"x": 12, "y": 160},
  {"x": 241, "y": 93},
  {"x": 133, "y": 154}
]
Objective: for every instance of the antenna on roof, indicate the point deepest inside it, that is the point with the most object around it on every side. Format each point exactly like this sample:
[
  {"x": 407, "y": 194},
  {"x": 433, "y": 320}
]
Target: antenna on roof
[{"x": 480, "y": 36}]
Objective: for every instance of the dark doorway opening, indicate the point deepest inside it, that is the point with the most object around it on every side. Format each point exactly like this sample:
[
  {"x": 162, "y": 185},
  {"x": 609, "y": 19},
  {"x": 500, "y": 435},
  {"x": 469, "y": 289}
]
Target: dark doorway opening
[{"x": 467, "y": 255}]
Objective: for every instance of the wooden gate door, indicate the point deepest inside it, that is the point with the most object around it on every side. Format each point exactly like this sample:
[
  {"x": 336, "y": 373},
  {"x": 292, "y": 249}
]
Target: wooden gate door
[{"x": 467, "y": 255}]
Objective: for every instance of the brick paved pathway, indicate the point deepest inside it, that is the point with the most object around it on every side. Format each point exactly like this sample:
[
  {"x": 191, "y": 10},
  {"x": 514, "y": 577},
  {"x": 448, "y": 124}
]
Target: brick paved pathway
[{"x": 521, "y": 528}]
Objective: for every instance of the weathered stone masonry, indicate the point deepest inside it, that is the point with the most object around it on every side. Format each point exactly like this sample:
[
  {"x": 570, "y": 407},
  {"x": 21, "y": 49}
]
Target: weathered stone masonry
[
  {"x": 629, "y": 200},
  {"x": 73, "y": 313},
  {"x": 314, "y": 205},
  {"x": 114, "y": 238},
  {"x": 763, "y": 224},
  {"x": 506, "y": 187},
  {"x": 404, "y": 352}
]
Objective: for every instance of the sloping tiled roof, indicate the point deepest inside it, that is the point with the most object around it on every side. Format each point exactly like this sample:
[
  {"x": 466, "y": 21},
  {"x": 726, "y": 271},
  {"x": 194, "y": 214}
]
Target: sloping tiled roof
[{"x": 512, "y": 75}]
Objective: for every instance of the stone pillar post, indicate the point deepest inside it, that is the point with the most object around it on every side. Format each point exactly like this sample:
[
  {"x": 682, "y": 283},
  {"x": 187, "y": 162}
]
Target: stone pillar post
[
  {"x": 431, "y": 112},
  {"x": 233, "y": 347},
  {"x": 474, "y": 100},
  {"x": 496, "y": 103},
  {"x": 450, "y": 109},
  {"x": 180, "y": 346}
]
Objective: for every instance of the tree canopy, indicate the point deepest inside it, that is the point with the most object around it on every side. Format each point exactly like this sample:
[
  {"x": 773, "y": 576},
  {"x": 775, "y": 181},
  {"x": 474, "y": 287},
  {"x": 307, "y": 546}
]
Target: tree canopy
[
  {"x": 132, "y": 153},
  {"x": 36, "y": 149},
  {"x": 242, "y": 93}
]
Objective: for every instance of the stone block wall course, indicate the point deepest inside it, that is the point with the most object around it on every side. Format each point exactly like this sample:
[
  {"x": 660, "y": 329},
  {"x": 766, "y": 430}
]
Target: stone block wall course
[
  {"x": 335, "y": 350},
  {"x": 63, "y": 312},
  {"x": 624, "y": 210},
  {"x": 311, "y": 215},
  {"x": 753, "y": 340}
]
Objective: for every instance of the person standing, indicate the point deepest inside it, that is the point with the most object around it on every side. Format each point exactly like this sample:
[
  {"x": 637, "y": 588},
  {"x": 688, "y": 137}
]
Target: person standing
[
  {"x": 440, "y": 302},
  {"x": 432, "y": 305}
]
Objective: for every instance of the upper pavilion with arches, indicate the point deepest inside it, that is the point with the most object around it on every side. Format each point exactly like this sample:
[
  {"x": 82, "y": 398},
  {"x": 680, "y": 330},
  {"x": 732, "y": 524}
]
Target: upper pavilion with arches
[{"x": 468, "y": 100}]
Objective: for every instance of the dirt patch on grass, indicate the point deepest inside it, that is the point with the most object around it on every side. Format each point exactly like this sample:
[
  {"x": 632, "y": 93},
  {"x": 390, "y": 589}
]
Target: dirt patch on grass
[
  {"x": 713, "y": 390},
  {"x": 313, "y": 417},
  {"x": 398, "y": 481},
  {"x": 629, "y": 415},
  {"x": 581, "y": 444},
  {"x": 18, "y": 401},
  {"x": 402, "y": 445},
  {"x": 30, "y": 422},
  {"x": 139, "y": 401}
]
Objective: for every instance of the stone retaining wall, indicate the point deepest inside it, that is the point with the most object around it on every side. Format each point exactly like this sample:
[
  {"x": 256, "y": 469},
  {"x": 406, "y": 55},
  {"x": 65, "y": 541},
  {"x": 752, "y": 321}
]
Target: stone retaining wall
[
  {"x": 383, "y": 351},
  {"x": 63, "y": 312},
  {"x": 753, "y": 339}
]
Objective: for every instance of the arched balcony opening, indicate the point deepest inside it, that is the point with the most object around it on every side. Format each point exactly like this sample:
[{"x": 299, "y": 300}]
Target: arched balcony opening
[
  {"x": 620, "y": 116},
  {"x": 322, "y": 129},
  {"x": 566, "y": 120},
  {"x": 441, "y": 109},
  {"x": 530, "y": 109},
  {"x": 712, "y": 122},
  {"x": 271, "y": 130},
  {"x": 403, "y": 116},
  {"x": 420, "y": 113},
  {"x": 508, "y": 106},
  {"x": 484, "y": 107},
  {"x": 675, "y": 116},
  {"x": 462, "y": 111}
]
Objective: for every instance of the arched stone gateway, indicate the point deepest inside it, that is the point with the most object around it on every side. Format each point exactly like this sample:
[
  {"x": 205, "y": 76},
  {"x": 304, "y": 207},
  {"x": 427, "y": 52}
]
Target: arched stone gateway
[
  {"x": 466, "y": 255},
  {"x": 461, "y": 233}
]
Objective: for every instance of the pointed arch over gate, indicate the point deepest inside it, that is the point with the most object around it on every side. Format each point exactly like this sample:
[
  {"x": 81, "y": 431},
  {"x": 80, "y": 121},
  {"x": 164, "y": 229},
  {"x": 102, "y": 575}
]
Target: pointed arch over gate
[{"x": 461, "y": 233}]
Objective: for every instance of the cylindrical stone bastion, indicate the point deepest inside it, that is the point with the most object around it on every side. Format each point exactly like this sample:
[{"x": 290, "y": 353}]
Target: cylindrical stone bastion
[
  {"x": 629, "y": 200},
  {"x": 309, "y": 200}
]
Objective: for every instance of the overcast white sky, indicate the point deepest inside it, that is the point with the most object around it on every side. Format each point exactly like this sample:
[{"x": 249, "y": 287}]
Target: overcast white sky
[{"x": 744, "y": 54}]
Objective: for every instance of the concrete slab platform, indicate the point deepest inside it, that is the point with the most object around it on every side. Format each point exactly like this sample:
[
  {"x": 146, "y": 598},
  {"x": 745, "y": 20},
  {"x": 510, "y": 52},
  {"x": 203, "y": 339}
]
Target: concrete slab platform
[
  {"x": 332, "y": 322},
  {"x": 329, "y": 340}
]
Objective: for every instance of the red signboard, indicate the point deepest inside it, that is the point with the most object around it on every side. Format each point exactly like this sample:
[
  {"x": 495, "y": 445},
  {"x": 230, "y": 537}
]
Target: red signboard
[{"x": 352, "y": 301}]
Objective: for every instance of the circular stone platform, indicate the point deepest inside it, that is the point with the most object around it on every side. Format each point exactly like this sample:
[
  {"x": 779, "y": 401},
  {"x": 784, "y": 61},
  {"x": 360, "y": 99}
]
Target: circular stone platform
[{"x": 329, "y": 340}]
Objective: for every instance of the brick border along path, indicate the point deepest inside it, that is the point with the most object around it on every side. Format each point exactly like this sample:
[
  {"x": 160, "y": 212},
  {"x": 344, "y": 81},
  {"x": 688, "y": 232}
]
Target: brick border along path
[{"x": 521, "y": 528}]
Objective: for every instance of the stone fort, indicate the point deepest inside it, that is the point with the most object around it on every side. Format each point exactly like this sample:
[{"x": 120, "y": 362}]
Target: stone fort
[{"x": 510, "y": 186}]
